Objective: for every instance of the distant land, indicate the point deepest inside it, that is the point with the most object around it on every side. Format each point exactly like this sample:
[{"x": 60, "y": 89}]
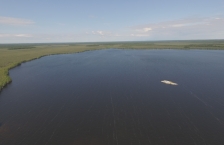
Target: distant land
[{"x": 12, "y": 55}]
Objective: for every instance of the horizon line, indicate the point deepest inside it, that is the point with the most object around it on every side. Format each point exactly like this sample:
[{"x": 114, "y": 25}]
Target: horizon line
[{"x": 116, "y": 41}]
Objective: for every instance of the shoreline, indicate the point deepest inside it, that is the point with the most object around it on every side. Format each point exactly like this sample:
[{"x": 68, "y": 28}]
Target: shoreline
[{"x": 5, "y": 70}]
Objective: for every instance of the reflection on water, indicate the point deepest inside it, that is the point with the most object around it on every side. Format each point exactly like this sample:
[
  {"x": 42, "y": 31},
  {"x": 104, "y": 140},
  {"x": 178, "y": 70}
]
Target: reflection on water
[{"x": 115, "y": 97}]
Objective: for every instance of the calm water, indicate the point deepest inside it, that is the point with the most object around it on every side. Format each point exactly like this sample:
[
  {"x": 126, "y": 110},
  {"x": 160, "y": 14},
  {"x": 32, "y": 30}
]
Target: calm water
[{"x": 115, "y": 97}]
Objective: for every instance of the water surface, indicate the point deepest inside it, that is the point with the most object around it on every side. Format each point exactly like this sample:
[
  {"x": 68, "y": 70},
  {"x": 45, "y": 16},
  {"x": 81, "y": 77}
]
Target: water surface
[{"x": 115, "y": 97}]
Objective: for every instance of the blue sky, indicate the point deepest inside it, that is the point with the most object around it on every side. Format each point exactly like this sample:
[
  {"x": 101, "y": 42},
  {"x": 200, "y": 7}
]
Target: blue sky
[{"x": 31, "y": 21}]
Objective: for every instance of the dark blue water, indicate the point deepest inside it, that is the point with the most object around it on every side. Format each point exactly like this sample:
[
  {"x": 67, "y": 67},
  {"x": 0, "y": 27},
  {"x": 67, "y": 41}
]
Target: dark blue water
[{"x": 115, "y": 97}]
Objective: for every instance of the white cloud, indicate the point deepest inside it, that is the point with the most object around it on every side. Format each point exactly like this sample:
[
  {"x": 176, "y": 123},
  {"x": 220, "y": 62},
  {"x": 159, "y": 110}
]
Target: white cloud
[
  {"x": 14, "y": 21},
  {"x": 143, "y": 30},
  {"x": 93, "y": 32},
  {"x": 147, "y": 29},
  {"x": 168, "y": 24},
  {"x": 23, "y": 35},
  {"x": 14, "y": 35},
  {"x": 98, "y": 33},
  {"x": 189, "y": 28}
]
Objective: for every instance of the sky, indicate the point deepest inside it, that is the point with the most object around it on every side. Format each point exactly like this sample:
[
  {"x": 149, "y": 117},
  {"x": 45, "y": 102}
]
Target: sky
[{"x": 36, "y": 21}]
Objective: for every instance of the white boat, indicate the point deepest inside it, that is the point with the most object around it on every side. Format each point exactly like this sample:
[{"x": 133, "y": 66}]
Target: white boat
[{"x": 169, "y": 82}]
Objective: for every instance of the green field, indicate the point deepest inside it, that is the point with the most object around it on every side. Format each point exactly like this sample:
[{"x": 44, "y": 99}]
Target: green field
[{"x": 12, "y": 55}]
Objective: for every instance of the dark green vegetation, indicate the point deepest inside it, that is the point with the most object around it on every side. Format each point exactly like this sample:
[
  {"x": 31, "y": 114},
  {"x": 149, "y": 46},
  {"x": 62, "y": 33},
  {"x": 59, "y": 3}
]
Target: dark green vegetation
[{"x": 12, "y": 55}]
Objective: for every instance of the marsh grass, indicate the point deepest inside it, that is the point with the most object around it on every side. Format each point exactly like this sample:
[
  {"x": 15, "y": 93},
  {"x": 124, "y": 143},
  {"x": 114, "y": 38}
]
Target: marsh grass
[
  {"x": 27, "y": 47},
  {"x": 12, "y": 55},
  {"x": 12, "y": 58},
  {"x": 4, "y": 77}
]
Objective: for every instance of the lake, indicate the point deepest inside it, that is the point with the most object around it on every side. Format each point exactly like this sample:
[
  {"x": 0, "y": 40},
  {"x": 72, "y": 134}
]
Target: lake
[{"x": 116, "y": 97}]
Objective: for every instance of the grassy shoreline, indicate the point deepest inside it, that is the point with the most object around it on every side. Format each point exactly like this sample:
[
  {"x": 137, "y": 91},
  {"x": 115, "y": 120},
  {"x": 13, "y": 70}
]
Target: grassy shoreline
[
  {"x": 7, "y": 62},
  {"x": 12, "y": 55}
]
